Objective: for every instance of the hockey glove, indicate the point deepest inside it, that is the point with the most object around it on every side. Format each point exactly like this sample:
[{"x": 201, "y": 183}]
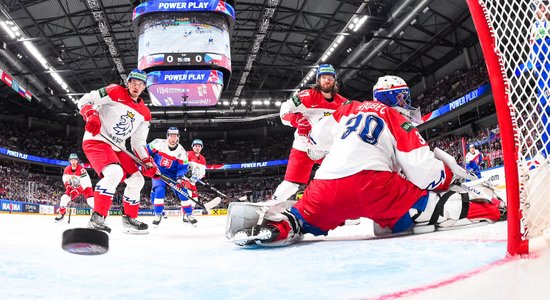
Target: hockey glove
[
  {"x": 181, "y": 182},
  {"x": 301, "y": 123},
  {"x": 191, "y": 176},
  {"x": 75, "y": 192},
  {"x": 150, "y": 169},
  {"x": 91, "y": 116}
]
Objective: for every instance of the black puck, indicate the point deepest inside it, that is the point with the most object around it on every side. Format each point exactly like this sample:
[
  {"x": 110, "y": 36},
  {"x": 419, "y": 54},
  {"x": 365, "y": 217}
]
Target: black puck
[{"x": 85, "y": 241}]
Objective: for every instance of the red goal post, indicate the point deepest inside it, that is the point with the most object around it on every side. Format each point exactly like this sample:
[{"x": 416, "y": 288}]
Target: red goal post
[{"x": 515, "y": 38}]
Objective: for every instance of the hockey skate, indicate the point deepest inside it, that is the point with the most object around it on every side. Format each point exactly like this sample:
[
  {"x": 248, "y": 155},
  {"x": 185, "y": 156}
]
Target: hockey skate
[
  {"x": 97, "y": 221},
  {"x": 157, "y": 220},
  {"x": 59, "y": 218},
  {"x": 133, "y": 226},
  {"x": 256, "y": 235},
  {"x": 190, "y": 219}
]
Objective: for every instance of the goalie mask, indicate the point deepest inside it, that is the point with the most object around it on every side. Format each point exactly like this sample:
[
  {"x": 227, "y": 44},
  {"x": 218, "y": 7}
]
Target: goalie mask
[{"x": 394, "y": 92}]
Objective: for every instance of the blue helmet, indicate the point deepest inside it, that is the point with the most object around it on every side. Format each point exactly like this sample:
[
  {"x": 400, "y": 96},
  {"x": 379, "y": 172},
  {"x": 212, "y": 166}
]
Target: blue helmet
[
  {"x": 137, "y": 74},
  {"x": 197, "y": 142},
  {"x": 172, "y": 130},
  {"x": 392, "y": 91},
  {"x": 326, "y": 69},
  {"x": 73, "y": 156}
]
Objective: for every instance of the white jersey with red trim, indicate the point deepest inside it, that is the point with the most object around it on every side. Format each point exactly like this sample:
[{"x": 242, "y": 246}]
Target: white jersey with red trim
[
  {"x": 172, "y": 163},
  {"x": 197, "y": 163},
  {"x": 372, "y": 136},
  {"x": 121, "y": 118},
  {"x": 313, "y": 105},
  {"x": 79, "y": 173}
]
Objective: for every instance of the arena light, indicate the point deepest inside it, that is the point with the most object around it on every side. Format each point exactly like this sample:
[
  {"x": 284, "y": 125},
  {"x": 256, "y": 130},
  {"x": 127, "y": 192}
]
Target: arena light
[
  {"x": 15, "y": 32},
  {"x": 354, "y": 24},
  {"x": 7, "y": 29},
  {"x": 360, "y": 23},
  {"x": 243, "y": 102},
  {"x": 278, "y": 103},
  {"x": 267, "y": 102}
]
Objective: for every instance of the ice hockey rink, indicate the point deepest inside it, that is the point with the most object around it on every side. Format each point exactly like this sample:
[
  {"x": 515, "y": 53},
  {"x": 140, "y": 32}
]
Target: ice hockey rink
[{"x": 176, "y": 261}]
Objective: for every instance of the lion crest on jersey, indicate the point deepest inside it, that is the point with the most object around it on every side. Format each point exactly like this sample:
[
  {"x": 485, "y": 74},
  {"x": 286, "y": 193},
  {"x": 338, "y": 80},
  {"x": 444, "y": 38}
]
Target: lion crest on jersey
[{"x": 125, "y": 124}]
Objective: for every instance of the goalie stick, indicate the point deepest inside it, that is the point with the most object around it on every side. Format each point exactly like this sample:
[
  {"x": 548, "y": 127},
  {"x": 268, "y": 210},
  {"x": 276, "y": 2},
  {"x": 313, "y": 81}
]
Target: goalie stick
[{"x": 169, "y": 181}]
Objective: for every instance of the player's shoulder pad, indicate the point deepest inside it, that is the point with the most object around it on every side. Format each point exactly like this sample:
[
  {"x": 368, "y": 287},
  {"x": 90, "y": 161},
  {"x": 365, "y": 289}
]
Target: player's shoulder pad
[
  {"x": 181, "y": 153},
  {"x": 156, "y": 143}
]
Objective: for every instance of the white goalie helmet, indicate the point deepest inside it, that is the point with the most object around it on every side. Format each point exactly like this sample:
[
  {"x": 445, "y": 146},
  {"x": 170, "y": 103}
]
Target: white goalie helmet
[{"x": 394, "y": 92}]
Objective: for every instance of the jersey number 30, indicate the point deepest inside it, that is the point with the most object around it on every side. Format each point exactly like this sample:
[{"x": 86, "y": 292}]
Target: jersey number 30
[{"x": 367, "y": 127}]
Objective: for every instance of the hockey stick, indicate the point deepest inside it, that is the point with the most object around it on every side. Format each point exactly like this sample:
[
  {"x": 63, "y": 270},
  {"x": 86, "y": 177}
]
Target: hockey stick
[
  {"x": 243, "y": 198},
  {"x": 174, "y": 185},
  {"x": 70, "y": 210},
  {"x": 164, "y": 178}
]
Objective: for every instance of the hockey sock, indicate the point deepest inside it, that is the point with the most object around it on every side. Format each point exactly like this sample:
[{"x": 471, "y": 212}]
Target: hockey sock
[
  {"x": 484, "y": 210},
  {"x": 188, "y": 209},
  {"x": 62, "y": 210},
  {"x": 102, "y": 203},
  {"x": 131, "y": 210},
  {"x": 159, "y": 209}
]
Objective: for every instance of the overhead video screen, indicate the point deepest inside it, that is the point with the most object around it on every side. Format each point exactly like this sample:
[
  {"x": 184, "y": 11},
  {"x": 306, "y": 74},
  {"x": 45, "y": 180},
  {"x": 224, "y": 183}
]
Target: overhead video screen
[{"x": 184, "y": 39}]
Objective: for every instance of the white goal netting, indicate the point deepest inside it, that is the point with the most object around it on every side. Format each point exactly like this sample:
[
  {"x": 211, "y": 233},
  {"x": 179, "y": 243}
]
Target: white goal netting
[{"x": 521, "y": 29}]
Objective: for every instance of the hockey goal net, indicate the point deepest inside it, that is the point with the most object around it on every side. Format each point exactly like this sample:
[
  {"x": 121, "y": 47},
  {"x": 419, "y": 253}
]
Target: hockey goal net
[{"x": 515, "y": 38}]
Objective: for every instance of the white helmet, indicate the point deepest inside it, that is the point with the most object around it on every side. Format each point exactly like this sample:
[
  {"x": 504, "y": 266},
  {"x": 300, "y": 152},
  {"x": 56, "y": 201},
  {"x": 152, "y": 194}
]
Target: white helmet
[{"x": 394, "y": 92}]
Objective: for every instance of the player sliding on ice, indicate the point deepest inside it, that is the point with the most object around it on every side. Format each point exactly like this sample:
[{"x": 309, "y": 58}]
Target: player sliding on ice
[
  {"x": 378, "y": 166},
  {"x": 171, "y": 159},
  {"x": 113, "y": 114},
  {"x": 77, "y": 182}
]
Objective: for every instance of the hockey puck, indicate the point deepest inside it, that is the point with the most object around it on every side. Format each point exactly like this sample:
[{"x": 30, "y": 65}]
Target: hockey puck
[{"x": 85, "y": 241}]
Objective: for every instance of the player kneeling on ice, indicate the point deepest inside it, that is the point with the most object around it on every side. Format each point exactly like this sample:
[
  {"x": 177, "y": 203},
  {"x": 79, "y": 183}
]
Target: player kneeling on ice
[
  {"x": 171, "y": 159},
  {"x": 113, "y": 114},
  {"x": 77, "y": 182},
  {"x": 378, "y": 166}
]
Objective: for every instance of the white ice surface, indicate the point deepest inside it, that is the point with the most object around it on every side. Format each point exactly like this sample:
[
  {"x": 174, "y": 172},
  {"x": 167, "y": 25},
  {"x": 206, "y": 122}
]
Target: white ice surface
[{"x": 180, "y": 262}]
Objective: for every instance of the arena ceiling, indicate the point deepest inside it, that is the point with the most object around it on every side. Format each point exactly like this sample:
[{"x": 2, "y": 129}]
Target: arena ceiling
[{"x": 90, "y": 43}]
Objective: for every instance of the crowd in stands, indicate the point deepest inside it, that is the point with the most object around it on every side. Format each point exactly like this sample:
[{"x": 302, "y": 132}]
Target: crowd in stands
[
  {"x": 38, "y": 142},
  {"x": 451, "y": 87}
]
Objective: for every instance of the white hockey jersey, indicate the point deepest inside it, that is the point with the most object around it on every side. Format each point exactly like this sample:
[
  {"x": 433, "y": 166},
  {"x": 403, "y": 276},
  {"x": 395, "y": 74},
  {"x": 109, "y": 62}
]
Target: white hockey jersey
[
  {"x": 172, "y": 163},
  {"x": 77, "y": 176},
  {"x": 313, "y": 105},
  {"x": 475, "y": 157},
  {"x": 121, "y": 118},
  {"x": 372, "y": 136}
]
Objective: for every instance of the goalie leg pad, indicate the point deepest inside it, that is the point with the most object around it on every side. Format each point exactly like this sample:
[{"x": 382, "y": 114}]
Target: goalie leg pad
[
  {"x": 242, "y": 215},
  {"x": 245, "y": 215},
  {"x": 447, "y": 208}
]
